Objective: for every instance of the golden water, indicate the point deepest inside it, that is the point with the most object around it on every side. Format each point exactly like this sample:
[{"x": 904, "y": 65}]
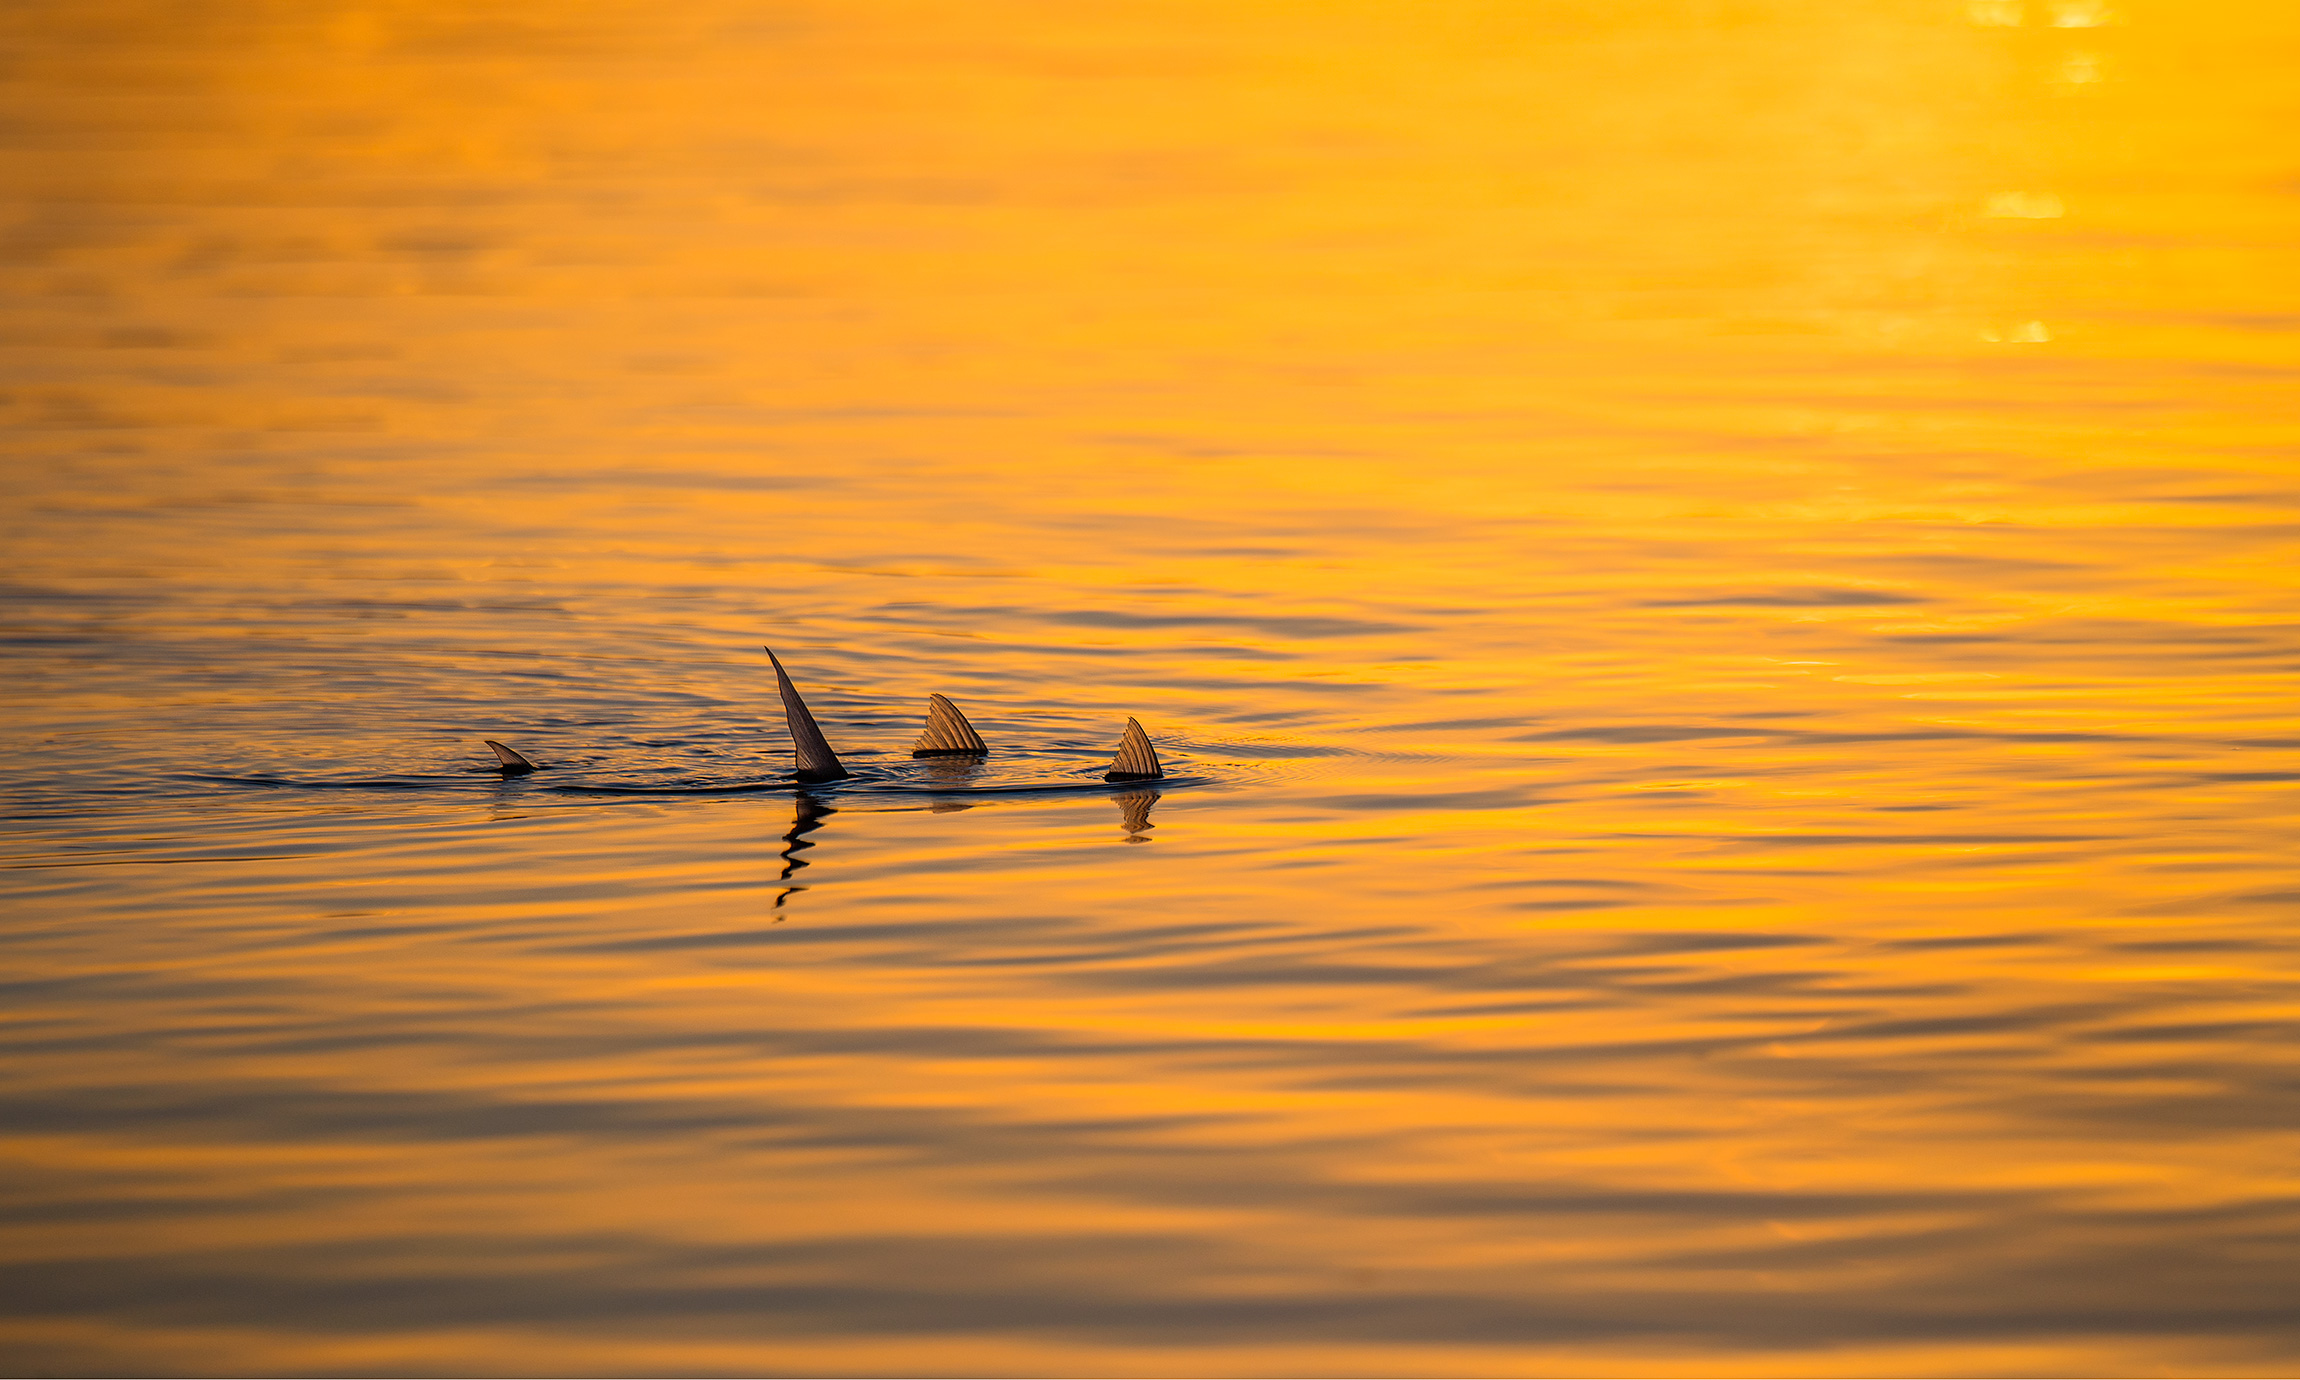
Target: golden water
[{"x": 1715, "y": 578}]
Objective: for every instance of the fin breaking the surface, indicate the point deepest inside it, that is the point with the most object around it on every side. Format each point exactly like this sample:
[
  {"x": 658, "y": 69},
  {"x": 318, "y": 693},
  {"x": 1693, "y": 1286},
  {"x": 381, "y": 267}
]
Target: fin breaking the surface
[
  {"x": 1136, "y": 760},
  {"x": 816, "y": 760},
  {"x": 513, "y": 764},
  {"x": 947, "y": 734}
]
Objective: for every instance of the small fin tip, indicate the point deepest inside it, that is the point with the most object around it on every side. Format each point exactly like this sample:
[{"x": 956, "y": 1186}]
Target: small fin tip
[{"x": 508, "y": 758}]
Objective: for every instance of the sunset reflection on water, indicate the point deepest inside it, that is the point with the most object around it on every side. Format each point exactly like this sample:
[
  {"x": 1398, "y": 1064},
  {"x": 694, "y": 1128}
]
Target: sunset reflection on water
[{"x": 1714, "y": 582}]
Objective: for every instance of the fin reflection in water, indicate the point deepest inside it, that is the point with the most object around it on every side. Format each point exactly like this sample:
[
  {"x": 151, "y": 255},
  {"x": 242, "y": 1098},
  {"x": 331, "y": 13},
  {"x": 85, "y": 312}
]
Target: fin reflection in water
[
  {"x": 1134, "y": 814},
  {"x": 1136, "y": 760},
  {"x": 947, "y": 734},
  {"x": 816, "y": 760},
  {"x": 513, "y": 764},
  {"x": 812, "y": 813},
  {"x": 952, "y": 772}
]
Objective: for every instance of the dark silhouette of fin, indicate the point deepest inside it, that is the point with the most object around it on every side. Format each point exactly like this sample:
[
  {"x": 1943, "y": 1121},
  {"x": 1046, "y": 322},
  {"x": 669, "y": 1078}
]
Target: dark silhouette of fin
[
  {"x": 948, "y": 734},
  {"x": 513, "y": 763},
  {"x": 1136, "y": 760},
  {"x": 816, "y": 760}
]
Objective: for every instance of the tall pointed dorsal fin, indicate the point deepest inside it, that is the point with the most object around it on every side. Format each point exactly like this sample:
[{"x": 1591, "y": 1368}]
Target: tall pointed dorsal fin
[
  {"x": 947, "y": 734},
  {"x": 512, "y": 762},
  {"x": 816, "y": 760},
  {"x": 1136, "y": 760}
]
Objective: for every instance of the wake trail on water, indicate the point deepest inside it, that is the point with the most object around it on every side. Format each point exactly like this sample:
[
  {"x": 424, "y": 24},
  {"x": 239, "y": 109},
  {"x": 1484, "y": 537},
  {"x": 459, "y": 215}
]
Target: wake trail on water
[{"x": 859, "y": 785}]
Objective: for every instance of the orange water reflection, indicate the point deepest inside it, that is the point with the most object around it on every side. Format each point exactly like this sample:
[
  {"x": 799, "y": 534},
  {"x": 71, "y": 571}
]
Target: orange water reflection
[{"x": 1716, "y": 577}]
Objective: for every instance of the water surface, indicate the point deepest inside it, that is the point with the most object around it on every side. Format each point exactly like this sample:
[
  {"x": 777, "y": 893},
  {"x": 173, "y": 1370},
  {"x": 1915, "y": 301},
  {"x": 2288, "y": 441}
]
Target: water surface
[{"x": 1716, "y": 581}]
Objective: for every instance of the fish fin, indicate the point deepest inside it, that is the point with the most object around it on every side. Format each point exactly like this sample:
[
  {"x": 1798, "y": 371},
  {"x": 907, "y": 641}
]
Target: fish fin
[
  {"x": 513, "y": 763},
  {"x": 947, "y": 734},
  {"x": 816, "y": 760},
  {"x": 1136, "y": 759}
]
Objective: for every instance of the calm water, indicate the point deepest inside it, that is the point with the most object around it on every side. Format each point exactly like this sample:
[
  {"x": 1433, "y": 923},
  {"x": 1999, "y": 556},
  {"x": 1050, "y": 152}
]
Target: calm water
[{"x": 1716, "y": 578}]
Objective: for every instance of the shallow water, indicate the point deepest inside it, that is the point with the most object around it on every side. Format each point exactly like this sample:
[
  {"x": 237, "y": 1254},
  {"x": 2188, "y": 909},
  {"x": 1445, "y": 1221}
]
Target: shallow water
[{"x": 1715, "y": 581}]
